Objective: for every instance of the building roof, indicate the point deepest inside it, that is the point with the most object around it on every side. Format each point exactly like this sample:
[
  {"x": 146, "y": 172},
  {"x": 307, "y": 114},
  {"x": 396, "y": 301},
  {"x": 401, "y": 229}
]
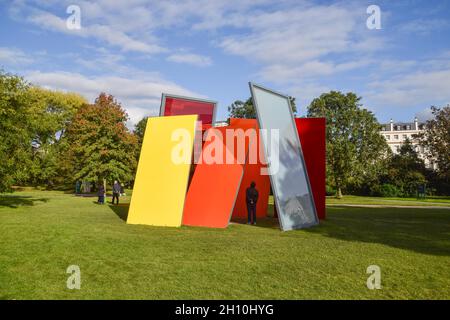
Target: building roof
[{"x": 403, "y": 126}]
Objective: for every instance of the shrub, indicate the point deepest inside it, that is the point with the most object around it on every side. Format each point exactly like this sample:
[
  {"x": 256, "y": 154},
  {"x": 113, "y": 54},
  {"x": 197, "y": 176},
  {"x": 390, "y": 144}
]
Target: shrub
[
  {"x": 330, "y": 191},
  {"x": 386, "y": 190}
]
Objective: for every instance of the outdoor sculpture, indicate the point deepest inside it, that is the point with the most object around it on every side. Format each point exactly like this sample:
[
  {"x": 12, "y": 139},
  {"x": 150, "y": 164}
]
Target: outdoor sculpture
[{"x": 208, "y": 188}]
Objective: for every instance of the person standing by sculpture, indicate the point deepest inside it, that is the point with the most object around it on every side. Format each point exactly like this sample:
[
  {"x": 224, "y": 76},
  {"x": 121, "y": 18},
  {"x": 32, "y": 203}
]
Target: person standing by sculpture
[
  {"x": 251, "y": 199},
  {"x": 116, "y": 191},
  {"x": 101, "y": 194}
]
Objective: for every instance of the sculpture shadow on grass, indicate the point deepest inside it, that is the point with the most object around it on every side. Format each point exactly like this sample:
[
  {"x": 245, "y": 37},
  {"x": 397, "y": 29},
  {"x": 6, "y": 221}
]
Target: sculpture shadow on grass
[
  {"x": 16, "y": 201},
  {"x": 121, "y": 210},
  {"x": 425, "y": 231}
]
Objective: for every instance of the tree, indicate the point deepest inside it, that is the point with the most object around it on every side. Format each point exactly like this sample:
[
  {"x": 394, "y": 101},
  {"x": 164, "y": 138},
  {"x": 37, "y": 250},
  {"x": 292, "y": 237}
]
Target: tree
[
  {"x": 436, "y": 140},
  {"x": 356, "y": 152},
  {"x": 15, "y": 133},
  {"x": 100, "y": 145},
  {"x": 139, "y": 132},
  {"x": 406, "y": 170},
  {"x": 239, "y": 109},
  {"x": 51, "y": 113}
]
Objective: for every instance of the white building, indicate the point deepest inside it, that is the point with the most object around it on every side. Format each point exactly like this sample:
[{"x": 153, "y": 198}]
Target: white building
[
  {"x": 396, "y": 134},
  {"x": 221, "y": 123}
]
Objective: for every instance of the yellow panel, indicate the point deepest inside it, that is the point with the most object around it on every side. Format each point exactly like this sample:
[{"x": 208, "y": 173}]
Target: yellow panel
[{"x": 161, "y": 183}]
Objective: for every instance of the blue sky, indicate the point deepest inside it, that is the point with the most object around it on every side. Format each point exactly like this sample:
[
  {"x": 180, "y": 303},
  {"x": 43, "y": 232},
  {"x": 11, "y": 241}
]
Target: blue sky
[{"x": 137, "y": 49}]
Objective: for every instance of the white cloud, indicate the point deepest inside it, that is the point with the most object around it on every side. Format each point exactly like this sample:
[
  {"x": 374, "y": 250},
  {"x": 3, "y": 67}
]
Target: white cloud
[
  {"x": 139, "y": 96},
  {"x": 305, "y": 94},
  {"x": 284, "y": 73},
  {"x": 101, "y": 59},
  {"x": 104, "y": 33},
  {"x": 13, "y": 56},
  {"x": 283, "y": 35},
  {"x": 412, "y": 89},
  {"x": 424, "y": 115},
  {"x": 296, "y": 44},
  {"x": 190, "y": 58}
]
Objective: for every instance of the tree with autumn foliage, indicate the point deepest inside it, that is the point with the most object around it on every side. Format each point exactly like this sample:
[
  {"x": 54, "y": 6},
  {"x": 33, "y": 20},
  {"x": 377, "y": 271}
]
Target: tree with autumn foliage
[{"x": 100, "y": 146}]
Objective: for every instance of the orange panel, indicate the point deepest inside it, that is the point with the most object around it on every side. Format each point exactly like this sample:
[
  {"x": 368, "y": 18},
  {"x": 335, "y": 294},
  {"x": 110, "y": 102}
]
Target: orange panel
[
  {"x": 214, "y": 187},
  {"x": 252, "y": 172}
]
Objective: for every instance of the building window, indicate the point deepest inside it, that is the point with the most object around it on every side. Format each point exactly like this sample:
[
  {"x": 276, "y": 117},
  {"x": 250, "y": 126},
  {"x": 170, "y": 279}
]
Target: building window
[
  {"x": 397, "y": 148},
  {"x": 388, "y": 137},
  {"x": 396, "y": 137},
  {"x": 405, "y": 136}
]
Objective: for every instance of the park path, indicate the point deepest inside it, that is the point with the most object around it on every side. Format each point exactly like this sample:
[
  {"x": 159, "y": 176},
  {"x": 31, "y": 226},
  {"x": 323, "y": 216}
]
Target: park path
[{"x": 385, "y": 206}]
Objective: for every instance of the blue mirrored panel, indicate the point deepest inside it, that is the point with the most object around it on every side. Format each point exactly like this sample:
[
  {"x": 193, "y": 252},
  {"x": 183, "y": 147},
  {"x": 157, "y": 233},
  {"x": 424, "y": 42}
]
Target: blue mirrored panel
[{"x": 288, "y": 176}]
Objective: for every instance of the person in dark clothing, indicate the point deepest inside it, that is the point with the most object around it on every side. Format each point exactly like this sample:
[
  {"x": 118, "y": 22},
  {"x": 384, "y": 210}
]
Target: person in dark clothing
[
  {"x": 116, "y": 192},
  {"x": 251, "y": 199},
  {"x": 101, "y": 194}
]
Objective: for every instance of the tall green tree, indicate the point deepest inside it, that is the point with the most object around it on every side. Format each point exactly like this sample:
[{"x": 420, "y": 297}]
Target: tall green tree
[
  {"x": 356, "y": 152},
  {"x": 406, "y": 170},
  {"x": 15, "y": 133},
  {"x": 100, "y": 144},
  {"x": 436, "y": 140},
  {"x": 246, "y": 110},
  {"x": 139, "y": 129},
  {"x": 51, "y": 112},
  {"x": 139, "y": 132}
]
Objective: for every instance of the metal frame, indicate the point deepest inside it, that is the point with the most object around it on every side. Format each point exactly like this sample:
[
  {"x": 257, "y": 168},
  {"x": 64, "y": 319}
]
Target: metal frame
[
  {"x": 163, "y": 104},
  {"x": 252, "y": 85}
]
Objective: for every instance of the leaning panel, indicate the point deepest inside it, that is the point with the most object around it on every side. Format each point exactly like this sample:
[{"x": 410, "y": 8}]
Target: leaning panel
[
  {"x": 289, "y": 179},
  {"x": 163, "y": 171},
  {"x": 212, "y": 192}
]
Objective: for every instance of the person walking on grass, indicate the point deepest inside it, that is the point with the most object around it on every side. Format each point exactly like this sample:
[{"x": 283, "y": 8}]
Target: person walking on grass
[
  {"x": 251, "y": 199},
  {"x": 116, "y": 191},
  {"x": 101, "y": 194}
]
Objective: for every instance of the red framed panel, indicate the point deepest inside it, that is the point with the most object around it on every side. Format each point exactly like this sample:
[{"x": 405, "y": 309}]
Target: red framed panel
[
  {"x": 172, "y": 105},
  {"x": 311, "y": 132}
]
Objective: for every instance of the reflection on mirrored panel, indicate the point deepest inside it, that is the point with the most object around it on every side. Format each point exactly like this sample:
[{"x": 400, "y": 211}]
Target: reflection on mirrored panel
[{"x": 288, "y": 176}]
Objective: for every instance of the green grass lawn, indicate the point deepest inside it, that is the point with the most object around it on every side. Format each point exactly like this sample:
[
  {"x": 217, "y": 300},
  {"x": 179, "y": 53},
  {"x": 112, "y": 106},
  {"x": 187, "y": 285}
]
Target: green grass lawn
[
  {"x": 433, "y": 201},
  {"x": 42, "y": 233}
]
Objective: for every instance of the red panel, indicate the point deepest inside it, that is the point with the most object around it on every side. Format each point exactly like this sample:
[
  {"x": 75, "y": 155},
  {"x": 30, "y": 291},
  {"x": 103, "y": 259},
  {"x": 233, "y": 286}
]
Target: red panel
[
  {"x": 252, "y": 172},
  {"x": 179, "y": 106},
  {"x": 213, "y": 189},
  {"x": 312, "y": 137}
]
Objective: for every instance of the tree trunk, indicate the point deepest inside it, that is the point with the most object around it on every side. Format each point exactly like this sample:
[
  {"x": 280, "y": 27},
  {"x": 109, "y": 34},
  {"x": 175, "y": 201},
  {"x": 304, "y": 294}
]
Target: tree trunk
[{"x": 338, "y": 193}]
